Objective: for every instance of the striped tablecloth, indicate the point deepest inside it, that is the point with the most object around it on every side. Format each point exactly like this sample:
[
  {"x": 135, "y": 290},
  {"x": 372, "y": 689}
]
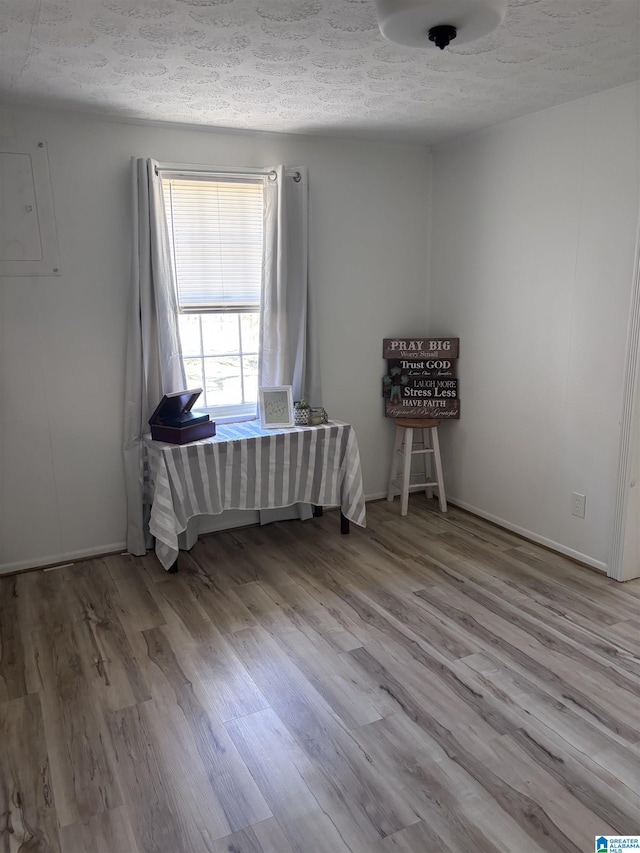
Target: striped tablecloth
[{"x": 246, "y": 467}]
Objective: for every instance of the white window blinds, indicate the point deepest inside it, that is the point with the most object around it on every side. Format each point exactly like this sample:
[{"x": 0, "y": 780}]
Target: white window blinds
[{"x": 216, "y": 234}]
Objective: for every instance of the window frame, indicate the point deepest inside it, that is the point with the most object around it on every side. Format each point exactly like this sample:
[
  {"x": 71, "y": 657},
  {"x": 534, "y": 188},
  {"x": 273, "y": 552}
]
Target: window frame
[{"x": 166, "y": 172}]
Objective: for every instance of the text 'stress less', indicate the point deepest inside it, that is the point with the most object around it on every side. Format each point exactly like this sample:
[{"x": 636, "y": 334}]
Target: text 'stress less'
[{"x": 421, "y": 378}]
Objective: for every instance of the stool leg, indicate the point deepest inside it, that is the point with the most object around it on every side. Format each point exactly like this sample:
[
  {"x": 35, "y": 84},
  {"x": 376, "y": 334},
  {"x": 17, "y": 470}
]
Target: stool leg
[
  {"x": 406, "y": 471},
  {"x": 439, "y": 475},
  {"x": 393, "y": 468},
  {"x": 428, "y": 476}
]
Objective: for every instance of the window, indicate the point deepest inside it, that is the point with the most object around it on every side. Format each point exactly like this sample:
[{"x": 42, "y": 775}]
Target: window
[{"x": 216, "y": 231}]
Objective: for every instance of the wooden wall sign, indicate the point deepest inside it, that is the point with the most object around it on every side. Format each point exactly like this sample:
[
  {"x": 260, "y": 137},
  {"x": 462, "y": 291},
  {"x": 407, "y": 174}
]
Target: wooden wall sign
[{"x": 420, "y": 382}]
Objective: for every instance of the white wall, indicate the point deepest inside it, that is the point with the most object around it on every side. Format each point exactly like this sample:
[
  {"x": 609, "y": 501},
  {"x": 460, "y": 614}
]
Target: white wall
[
  {"x": 62, "y": 339},
  {"x": 534, "y": 226}
]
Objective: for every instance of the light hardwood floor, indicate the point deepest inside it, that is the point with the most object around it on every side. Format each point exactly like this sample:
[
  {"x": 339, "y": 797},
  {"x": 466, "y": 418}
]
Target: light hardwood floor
[{"x": 430, "y": 683}]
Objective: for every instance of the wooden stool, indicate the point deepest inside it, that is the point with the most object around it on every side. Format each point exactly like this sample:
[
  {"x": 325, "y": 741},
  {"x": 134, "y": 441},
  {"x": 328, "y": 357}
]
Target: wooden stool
[{"x": 403, "y": 446}]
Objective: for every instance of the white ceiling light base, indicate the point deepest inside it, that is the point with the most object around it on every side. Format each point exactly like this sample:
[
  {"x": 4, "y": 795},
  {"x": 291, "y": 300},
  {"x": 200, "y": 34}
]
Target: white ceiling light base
[{"x": 408, "y": 22}]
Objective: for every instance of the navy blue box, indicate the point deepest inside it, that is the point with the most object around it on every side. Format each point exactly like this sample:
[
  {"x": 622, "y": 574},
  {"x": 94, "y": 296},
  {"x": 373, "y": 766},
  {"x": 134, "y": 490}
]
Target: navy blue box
[
  {"x": 174, "y": 422},
  {"x": 182, "y": 435}
]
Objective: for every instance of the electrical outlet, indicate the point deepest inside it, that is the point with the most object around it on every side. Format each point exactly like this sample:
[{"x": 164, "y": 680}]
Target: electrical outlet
[{"x": 579, "y": 503}]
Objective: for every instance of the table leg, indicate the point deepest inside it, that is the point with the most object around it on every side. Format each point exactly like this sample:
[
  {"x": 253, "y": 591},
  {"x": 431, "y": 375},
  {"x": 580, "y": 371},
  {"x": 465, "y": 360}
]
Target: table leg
[
  {"x": 173, "y": 568},
  {"x": 344, "y": 523}
]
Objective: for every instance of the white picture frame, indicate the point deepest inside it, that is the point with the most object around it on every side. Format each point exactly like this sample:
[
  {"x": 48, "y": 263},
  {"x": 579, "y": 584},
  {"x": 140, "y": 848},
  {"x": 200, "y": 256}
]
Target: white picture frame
[{"x": 276, "y": 406}]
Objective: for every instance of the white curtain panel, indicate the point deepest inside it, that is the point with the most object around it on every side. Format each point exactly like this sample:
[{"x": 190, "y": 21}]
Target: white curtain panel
[
  {"x": 154, "y": 357},
  {"x": 288, "y": 338}
]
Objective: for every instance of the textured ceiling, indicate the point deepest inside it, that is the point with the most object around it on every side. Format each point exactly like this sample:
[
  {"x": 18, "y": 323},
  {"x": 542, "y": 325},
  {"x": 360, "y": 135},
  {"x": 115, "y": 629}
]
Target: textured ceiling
[{"x": 314, "y": 66}]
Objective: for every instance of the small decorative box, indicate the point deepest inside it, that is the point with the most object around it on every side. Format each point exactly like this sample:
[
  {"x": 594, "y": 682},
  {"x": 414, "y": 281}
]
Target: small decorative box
[{"x": 174, "y": 422}]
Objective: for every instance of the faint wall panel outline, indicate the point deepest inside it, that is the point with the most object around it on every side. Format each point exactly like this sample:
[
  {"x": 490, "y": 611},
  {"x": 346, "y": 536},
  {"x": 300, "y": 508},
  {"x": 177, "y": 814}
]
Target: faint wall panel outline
[{"x": 28, "y": 237}]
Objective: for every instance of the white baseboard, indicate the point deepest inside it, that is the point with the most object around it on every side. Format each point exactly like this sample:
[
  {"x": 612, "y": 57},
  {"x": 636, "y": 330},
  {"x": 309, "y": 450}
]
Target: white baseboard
[
  {"x": 376, "y": 496},
  {"x": 514, "y": 528},
  {"x": 67, "y": 557},
  {"x": 227, "y": 520},
  {"x": 534, "y": 537}
]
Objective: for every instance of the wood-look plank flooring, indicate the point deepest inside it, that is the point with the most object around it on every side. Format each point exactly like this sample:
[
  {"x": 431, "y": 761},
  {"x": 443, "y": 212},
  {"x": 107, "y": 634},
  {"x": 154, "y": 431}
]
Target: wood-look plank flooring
[{"x": 429, "y": 683}]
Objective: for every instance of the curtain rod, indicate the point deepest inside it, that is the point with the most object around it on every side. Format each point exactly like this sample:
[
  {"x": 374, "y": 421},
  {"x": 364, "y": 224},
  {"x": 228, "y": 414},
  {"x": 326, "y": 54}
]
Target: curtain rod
[{"x": 207, "y": 171}]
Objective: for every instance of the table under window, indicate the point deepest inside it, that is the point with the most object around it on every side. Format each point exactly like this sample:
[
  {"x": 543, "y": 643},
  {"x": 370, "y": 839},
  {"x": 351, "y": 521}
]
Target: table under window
[{"x": 246, "y": 467}]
